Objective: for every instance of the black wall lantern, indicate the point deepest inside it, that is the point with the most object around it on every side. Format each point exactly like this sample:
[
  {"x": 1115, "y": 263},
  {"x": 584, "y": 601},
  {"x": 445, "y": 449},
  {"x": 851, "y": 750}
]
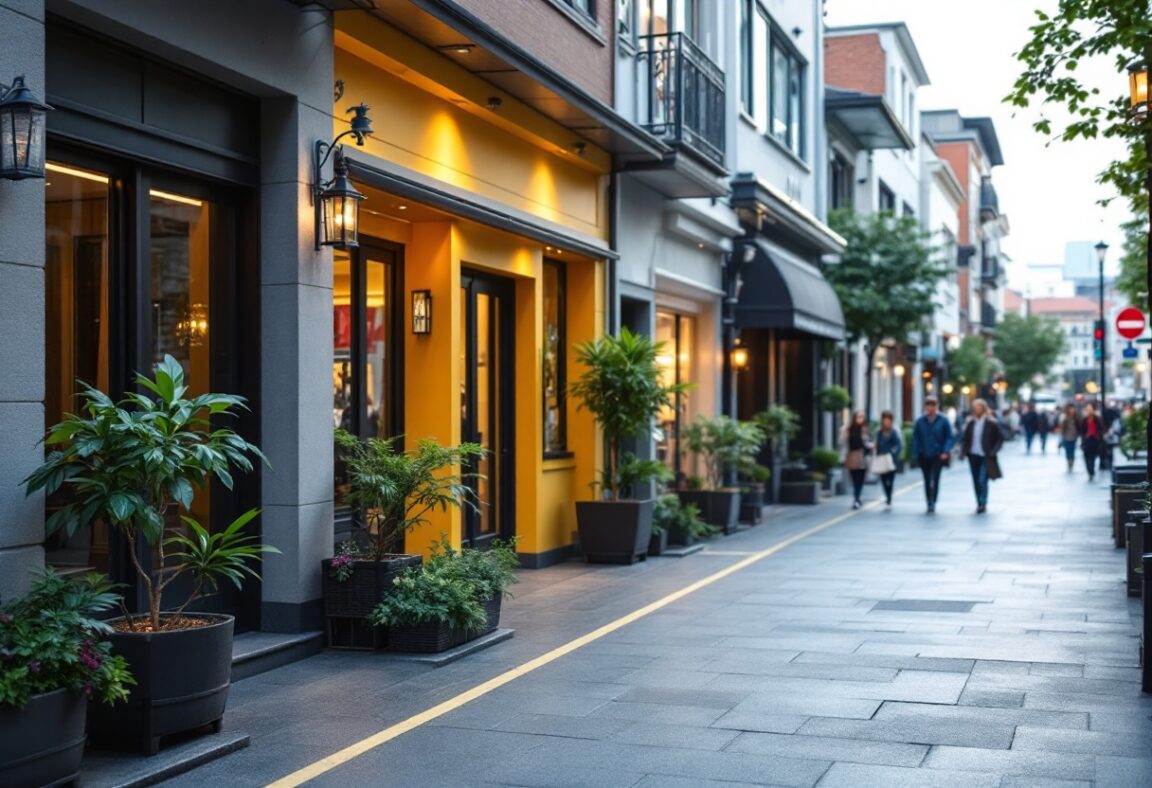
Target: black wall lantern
[
  {"x": 421, "y": 311},
  {"x": 336, "y": 201},
  {"x": 21, "y": 132}
]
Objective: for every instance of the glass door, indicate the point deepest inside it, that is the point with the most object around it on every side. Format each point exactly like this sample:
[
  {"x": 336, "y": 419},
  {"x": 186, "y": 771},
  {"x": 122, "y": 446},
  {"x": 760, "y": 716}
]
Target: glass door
[{"x": 486, "y": 401}]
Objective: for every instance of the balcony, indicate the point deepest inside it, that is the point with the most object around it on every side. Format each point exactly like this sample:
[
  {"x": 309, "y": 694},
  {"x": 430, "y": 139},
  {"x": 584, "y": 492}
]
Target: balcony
[
  {"x": 990, "y": 271},
  {"x": 682, "y": 104},
  {"x": 987, "y": 317},
  {"x": 989, "y": 201}
]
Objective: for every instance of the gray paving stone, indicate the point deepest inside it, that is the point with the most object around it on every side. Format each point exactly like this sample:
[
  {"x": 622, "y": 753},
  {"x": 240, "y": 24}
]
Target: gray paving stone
[
  {"x": 687, "y": 737},
  {"x": 1095, "y": 742},
  {"x": 666, "y": 781},
  {"x": 796, "y": 746},
  {"x": 913, "y": 730},
  {"x": 1120, "y": 772},
  {"x": 992, "y": 698},
  {"x": 659, "y": 713},
  {"x": 807, "y": 705},
  {"x": 1013, "y": 762},
  {"x": 927, "y": 714},
  {"x": 855, "y": 775},
  {"x": 1017, "y": 781},
  {"x": 889, "y": 661},
  {"x": 557, "y": 725}
]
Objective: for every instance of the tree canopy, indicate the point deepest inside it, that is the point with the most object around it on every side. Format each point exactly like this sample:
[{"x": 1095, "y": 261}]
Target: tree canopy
[
  {"x": 1077, "y": 31},
  {"x": 887, "y": 276},
  {"x": 970, "y": 362},
  {"x": 1132, "y": 282},
  {"x": 1027, "y": 346}
]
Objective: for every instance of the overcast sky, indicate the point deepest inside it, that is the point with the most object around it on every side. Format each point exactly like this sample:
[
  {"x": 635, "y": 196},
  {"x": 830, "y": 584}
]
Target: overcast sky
[{"x": 1048, "y": 192}]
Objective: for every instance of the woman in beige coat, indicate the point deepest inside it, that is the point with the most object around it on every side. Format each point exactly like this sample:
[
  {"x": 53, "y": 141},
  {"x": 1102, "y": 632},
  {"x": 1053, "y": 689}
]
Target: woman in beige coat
[{"x": 855, "y": 444}]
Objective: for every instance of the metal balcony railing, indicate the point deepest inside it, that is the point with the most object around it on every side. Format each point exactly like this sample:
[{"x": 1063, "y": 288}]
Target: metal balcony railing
[
  {"x": 987, "y": 316},
  {"x": 684, "y": 101},
  {"x": 990, "y": 271},
  {"x": 989, "y": 201}
]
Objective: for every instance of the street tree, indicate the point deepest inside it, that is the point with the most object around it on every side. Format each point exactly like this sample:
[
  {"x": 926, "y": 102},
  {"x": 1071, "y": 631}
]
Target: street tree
[
  {"x": 1027, "y": 346},
  {"x": 1079, "y": 30},
  {"x": 970, "y": 364},
  {"x": 886, "y": 280},
  {"x": 1132, "y": 282}
]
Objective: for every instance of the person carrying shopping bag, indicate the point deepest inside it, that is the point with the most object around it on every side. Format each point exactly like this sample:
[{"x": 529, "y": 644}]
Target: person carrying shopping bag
[
  {"x": 1091, "y": 430},
  {"x": 1069, "y": 428},
  {"x": 855, "y": 444},
  {"x": 889, "y": 448},
  {"x": 981, "y": 445}
]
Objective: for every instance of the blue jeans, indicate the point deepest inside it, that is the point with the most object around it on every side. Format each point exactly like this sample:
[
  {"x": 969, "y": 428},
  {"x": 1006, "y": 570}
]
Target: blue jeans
[
  {"x": 979, "y": 478},
  {"x": 931, "y": 467},
  {"x": 1069, "y": 449}
]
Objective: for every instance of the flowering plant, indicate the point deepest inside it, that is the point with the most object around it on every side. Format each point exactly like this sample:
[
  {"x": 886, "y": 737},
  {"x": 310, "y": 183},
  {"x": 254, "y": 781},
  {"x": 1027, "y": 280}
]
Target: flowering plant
[
  {"x": 341, "y": 565},
  {"x": 49, "y": 640}
]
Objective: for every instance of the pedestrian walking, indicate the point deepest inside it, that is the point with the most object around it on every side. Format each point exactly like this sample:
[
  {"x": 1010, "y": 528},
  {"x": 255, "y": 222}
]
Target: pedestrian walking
[
  {"x": 1091, "y": 430},
  {"x": 889, "y": 449},
  {"x": 1031, "y": 422},
  {"x": 981, "y": 445},
  {"x": 1048, "y": 421},
  {"x": 1069, "y": 427},
  {"x": 932, "y": 448},
  {"x": 855, "y": 445}
]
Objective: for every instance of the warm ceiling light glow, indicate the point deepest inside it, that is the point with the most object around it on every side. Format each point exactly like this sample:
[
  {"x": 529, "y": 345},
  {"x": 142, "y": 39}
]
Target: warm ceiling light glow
[
  {"x": 898, "y": 370},
  {"x": 88, "y": 176},
  {"x": 947, "y": 388},
  {"x": 401, "y": 207},
  {"x": 175, "y": 198}
]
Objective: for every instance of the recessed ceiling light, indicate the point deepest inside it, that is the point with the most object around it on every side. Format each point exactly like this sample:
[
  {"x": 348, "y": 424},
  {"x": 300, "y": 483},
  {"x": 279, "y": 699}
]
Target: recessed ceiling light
[
  {"x": 699, "y": 246},
  {"x": 459, "y": 49},
  {"x": 402, "y": 207}
]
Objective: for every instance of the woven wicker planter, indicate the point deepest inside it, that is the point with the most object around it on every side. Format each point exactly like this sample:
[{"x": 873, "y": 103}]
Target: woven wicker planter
[
  {"x": 432, "y": 638},
  {"x": 348, "y": 604}
]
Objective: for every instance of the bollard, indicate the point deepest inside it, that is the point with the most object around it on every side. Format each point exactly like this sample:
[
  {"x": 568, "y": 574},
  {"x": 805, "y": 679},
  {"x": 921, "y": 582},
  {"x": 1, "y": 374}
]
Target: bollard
[
  {"x": 1125, "y": 497},
  {"x": 1135, "y": 530},
  {"x": 1146, "y": 636}
]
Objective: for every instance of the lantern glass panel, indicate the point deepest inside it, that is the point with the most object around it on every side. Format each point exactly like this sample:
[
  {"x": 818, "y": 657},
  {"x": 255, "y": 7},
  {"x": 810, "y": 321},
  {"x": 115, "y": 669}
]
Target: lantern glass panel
[
  {"x": 7, "y": 141},
  {"x": 1138, "y": 87},
  {"x": 340, "y": 220}
]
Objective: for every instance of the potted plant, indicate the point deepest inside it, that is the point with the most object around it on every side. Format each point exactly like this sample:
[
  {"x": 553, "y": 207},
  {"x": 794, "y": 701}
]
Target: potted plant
[
  {"x": 54, "y": 656},
  {"x": 451, "y": 599},
  {"x": 392, "y": 492},
  {"x": 135, "y": 465},
  {"x": 754, "y": 481},
  {"x": 725, "y": 446},
  {"x": 681, "y": 522},
  {"x": 780, "y": 424},
  {"x": 834, "y": 399},
  {"x": 622, "y": 388},
  {"x": 824, "y": 461}
]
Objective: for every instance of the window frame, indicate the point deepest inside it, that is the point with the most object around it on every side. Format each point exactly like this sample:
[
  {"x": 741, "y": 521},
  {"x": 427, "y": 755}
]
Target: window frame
[
  {"x": 747, "y": 64},
  {"x": 561, "y": 361},
  {"x": 586, "y": 8},
  {"x": 797, "y": 67},
  {"x": 884, "y": 194}
]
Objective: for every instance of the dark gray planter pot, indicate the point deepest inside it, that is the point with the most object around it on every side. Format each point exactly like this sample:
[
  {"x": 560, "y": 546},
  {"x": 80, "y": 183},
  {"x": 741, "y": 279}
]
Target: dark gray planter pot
[
  {"x": 720, "y": 508},
  {"x": 182, "y": 679},
  {"x": 348, "y": 604},
  {"x": 805, "y": 493},
  {"x": 658, "y": 543},
  {"x": 43, "y": 743},
  {"x": 752, "y": 503},
  {"x": 614, "y": 532}
]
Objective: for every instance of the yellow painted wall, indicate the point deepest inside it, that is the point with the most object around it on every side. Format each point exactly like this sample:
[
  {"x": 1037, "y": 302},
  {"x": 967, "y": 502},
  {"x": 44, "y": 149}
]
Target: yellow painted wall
[{"x": 440, "y": 138}]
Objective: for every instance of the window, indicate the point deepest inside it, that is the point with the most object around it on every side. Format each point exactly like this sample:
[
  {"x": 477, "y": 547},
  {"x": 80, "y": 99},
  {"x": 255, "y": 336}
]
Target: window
[
  {"x": 625, "y": 19},
  {"x": 555, "y": 381},
  {"x": 761, "y": 70},
  {"x": 746, "y": 70},
  {"x": 887, "y": 198},
  {"x": 841, "y": 175},
  {"x": 365, "y": 352},
  {"x": 786, "y": 123},
  {"x": 586, "y": 7},
  {"x": 908, "y": 210},
  {"x": 676, "y": 365}
]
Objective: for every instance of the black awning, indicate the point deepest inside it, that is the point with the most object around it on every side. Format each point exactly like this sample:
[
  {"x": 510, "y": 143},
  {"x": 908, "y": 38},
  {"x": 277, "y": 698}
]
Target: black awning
[
  {"x": 868, "y": 118},
  {"x": 779, "y": 292}
]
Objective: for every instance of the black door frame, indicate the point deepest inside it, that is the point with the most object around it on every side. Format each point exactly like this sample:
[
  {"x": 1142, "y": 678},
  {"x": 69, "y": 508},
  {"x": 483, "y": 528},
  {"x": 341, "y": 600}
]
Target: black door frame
[
  {"x": 474, "y": 282},
  {"x": 234, "y": 338}
]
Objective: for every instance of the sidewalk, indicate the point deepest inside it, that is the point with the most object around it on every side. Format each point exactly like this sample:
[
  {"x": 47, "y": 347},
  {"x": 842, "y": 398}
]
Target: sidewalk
[{"x": 889, "y": 649}]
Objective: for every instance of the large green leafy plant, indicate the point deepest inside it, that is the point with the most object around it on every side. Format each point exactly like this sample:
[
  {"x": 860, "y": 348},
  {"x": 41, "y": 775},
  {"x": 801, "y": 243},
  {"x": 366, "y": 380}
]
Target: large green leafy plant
[
  {"x": 395, "y": 491},
  {"x": 50, "y": 639},
  {"x": 724, "y": 444},
  {"x": 450, "y": 587},
  {"x": 621, "y": 387},
  {"x": 780, "y": 424},
  {"x": 131, "y": 463}
]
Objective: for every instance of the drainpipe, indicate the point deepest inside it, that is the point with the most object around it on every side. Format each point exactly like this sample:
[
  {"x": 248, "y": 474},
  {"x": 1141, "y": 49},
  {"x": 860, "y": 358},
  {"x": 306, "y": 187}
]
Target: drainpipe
[{"x": 611, "y": 311}]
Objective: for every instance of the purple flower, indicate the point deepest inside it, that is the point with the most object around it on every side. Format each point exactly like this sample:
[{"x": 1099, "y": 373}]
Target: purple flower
[
  {"x": 88, "y": 689},
  {"x": 34, "y": 666}
]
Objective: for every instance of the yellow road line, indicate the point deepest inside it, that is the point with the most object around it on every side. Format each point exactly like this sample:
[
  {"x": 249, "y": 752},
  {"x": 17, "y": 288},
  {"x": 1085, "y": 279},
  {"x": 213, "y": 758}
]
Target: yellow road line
[{"x": 324, "y": 765}]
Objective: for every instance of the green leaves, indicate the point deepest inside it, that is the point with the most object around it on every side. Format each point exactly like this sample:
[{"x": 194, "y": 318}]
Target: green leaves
[
  {"x": 211, "y": 557},
  {"x": 1027, "y": 346},
  {"x": 724, "y": 443},
  {"x": 128, "y": 463},
  {"x": 970, "y": 363},
  {"x": 395, "y": 491}
]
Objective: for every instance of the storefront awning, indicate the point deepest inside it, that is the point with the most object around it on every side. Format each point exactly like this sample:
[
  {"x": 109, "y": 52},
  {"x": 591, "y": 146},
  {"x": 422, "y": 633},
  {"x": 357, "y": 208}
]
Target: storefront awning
[
  {"x": 781, "y": 292},
  {"x": 868, "y": 118}
]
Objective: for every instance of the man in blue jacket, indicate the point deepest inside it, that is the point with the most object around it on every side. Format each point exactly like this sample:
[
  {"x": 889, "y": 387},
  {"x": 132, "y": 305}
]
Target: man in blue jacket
[{"x": 932, "y": 447}]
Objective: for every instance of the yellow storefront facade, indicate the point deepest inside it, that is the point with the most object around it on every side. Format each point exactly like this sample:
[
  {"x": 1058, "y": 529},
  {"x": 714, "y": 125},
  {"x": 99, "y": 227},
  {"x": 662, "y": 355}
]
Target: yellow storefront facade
[{"x": 483, "y": 216}]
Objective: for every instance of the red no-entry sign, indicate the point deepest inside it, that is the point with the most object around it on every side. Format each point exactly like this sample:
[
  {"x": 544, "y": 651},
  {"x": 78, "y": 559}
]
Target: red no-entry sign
[{"x": 1130, "y": 323}]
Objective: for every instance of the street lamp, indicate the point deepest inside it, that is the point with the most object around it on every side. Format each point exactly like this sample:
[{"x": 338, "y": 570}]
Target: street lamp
[
  {"x": 21, "y": 132},
  {"x": 336, "y": 201},
  {"x": 1101, "y": 253},
  {"x": 1138, "y": 89}
]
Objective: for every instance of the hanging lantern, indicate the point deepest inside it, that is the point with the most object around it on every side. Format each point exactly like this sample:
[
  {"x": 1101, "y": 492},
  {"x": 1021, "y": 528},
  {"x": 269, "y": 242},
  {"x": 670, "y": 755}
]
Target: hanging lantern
[
  {"x": 340, "y": 207},
  {"x": 1138, "y": 89},
  {"x": 21, "y": 133}
]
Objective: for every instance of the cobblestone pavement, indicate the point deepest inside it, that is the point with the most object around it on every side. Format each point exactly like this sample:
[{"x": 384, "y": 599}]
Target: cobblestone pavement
[{"x": 891, "y": 649}]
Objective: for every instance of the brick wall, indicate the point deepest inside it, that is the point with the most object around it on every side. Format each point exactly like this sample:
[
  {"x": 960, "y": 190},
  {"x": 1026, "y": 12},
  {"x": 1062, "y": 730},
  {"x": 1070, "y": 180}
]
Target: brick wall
[
  {"x": 551, "y": 35},
  {"x": 956, "y": 154},
  {"x": 855, "y": 62}
]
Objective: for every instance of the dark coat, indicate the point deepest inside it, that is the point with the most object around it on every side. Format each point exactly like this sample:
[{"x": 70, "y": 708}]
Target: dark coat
[
  {"x": 1082, "y": 428},
  {"x": 990, "y": 444}
]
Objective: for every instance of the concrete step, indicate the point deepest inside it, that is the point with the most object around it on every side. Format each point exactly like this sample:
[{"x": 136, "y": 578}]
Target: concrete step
[{"x": 257, "y": 652}]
